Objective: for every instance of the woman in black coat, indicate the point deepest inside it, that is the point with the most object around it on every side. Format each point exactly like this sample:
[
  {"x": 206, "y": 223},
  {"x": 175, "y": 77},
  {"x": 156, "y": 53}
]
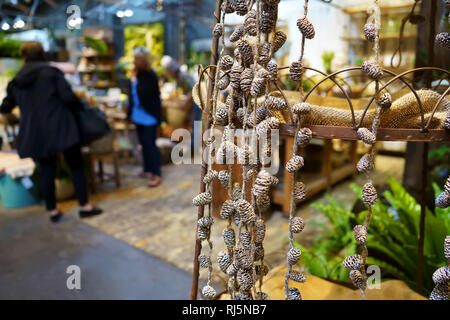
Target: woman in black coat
[
  {"x": 145, "y": 112},
  {"x": 47, "y": 124}
]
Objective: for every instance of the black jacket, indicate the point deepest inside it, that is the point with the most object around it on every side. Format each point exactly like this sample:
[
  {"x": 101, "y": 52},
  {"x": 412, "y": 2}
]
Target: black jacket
[
  {"x": 148, "y": 93},
  {"x": 47, "y": 105}
]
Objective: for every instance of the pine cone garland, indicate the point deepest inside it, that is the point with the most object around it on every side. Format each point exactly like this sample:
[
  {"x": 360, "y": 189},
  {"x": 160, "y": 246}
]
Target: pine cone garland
[
  {"x": 247, "y": 79},
  {"x": 202, "y": 199},
  {"x": 227, "y": 209},
  {"x": 443, "y": 39},
  {"x": 210, "y": 176},
  {"x": 296, "y": 71},
  {"x": 296, "y": 225},
  {"x": 365, "y": 164},
  {"x": 301, "y": 108},
  {"x": 442, "y": 275},
  {"x": 223, "y": 260},
  {"x": 443, "y": 200},
  {"x": 279, "y": 40},
  {"x": 293, "y": 256},
  {"x": 304, "y": 136},
  {"x": 306, "y": 28},
  {"x": 218, "y": 30},
  {"x": 224, "y": 177},
  {"x": 260, "y": 231},
  {"x": 360, "y": 234},
  {"x": 353, "y": 262},
  {"x": 295, "y": 164},
  {"x": 272, "y": 68},
  {"x": 226, "y": 62},
  {"x": 447, "y": 247},
  {"x": 241, "y": 7},
  {"x": 370, "y": 32},
  {"x": 294, "y": 294},
  {"x": 369, "y": 194},
  {"x": 204, "y": 261},
  {"x": 246, "y": 239},
  {"x": 366, "y": 136},
  {"x": 358, "y": 279},
  {"x": 299, "y": 191},
  {"x": 208, "y": 292},
  {"x": 235, "y": 77},
  {"x": 385, "y": 100},
  {"x": 297, "y": 276},
  {"x": 275, "y": 103},
  {"x": 372, "y": 70},
  {"x": 229, "y": 238},
  {"x": 245, "y": 211},
  {"x": 246, "y": 52}
]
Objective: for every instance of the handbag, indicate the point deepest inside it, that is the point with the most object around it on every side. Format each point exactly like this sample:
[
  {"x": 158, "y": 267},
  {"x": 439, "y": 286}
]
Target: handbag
[{"x": 92, "y": 124}]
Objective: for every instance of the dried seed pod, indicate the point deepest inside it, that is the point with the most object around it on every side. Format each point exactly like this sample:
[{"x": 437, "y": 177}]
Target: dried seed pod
[
  {"x": 358, "y": 279},
  {"x": 261, "y": 269},
  {"x": 265, "y": 126},
  {"x": 204, "y": 261},
  {"x": 306, "y": 28},
  {"x": 353, "y": 262},
  {"x": 261, "y": 114},
  {"x": 293, "y": 256},
  {"x": 296, "y": 225},
  {"x": 440, "y": 292},
  {"x": 243, "y": 258},
  {"x": 218, "y": 30},
  {"x": 299, "y": 191},
  {"x": 370, "y": 32},
  {"x": 241, "y": 7},
  {"x": 202, "y": 199},
  {"x": 229, "y": 238},
  {"x": 360, "y": 233},
  {"x": 270, "y": 5},
  {"x": 245, "y": 211},
  {"x": 222, "y": 117},
  {"x": 205, "y": 222},
  {"x": 208, "y": 292},
  {"x": 245, "y": 155},
  {"x": 264, "y": 54},
  {"x": 262, "y": 296},
  {"x": 246, "y": 52},
  {"x": 235, "y": 77},
  {"x": 223, "y": 82},
  {"x": 366, "y": 136},
  {"x": 260, "y": 231},
  {"x": 246, "y": 239},
  {"x": 263, "y": 202},
  {"x": 275, "y": 103},
  {"x": 262, "y": 183},
  {"x": 442, "y": 275},
  {"x": 279, "y": 40},
  {"x": 226, "y": 62},
  {"x": 244, "y": 295},
  {"x": 295, "y": 164},
  {"x": 224, "y": 177},
  {"x": 372, "y": 70},
  {"x": 203, "y": 233},
  {"x": 274, "y": 180},
  {"x": 447, "y": 247},
  {"x": 365, "y": 164},
  {"x": 226, "y": 152},
  {"x": 294, "y": 294},
  {"x": 304, "y": 136},
  {"x": 443, "y": 200},
  {"x": 227, "y": 209},
  {"x": 446, "y": 124},
  {"x": 259, "y": 83},
  {"x": 247, "y": 79},
  {"x": 443, "y": 39},
  {"x": 296, "y": 71},
  {"x": 369, "y": 194},
  {"x": 228, "y": 7},
  {"x": 223, "y": 260},
  {"x": 268, "y": 21},
  {"x": 301, "y": 108},
  {"x": 258, "y": 252},
  {"x": 272, "y": 68},
  {"x": 250, "y": 23},
  {"x": 245, "y": 279},
  {"x": 297, "y": 276},
  {"x": 385, "y": 100},
  {"x": 447, "y": 185},
  {"x": 240, "y": 113},
  {"x": 237, "y": 190},
  {"x": 210, "y": 176},
  {"x": 238, "y": 32},
  {"x": 232, "y": 269}
]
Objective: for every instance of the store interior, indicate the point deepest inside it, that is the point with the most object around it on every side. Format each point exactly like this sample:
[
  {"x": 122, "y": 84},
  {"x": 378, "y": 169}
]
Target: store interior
[{"x": 147, "y": 243}]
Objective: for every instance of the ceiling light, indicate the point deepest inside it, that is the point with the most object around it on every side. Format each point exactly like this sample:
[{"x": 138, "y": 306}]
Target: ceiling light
[
  {"x": 120, "y": 14},
  {"x": 5, "y": 26},
  {"x": 18, "y": 23},
  {"x": 128, "y": 13}
]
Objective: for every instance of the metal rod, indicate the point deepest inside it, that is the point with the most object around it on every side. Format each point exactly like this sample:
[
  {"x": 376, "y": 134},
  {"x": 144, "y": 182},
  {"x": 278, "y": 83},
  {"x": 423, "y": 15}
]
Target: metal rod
[{"x": 423, "y": 201}]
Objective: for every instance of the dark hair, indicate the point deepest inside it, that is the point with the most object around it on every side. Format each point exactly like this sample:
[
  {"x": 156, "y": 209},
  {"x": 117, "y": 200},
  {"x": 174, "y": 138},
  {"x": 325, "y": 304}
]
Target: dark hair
[{"x": 32, "y": 51}]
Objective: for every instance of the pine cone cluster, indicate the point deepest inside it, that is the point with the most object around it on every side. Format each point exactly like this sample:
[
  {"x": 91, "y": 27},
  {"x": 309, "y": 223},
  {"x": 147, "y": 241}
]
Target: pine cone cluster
[
  {"x": 275, "y": 103},
  {"x": 202, "y": 199},
  {"x": 203, "y": 233},
  {"x": 243, "y": 258},
  {"x": 306, "y": 28},
  {"x": 366, "y": 136},
  {"x": 370, "y": 32},
  {"x": 229, "y": 238},
  {"x": 443, "y": 39},
  {"x": 245, "y": 155},
  {"x": 296, "y": 71},
  {"x": 304, "y": 136},
  {"x": 295, "y": 163},
  {"x": 222, "y": 116},
  {"x": 360, "y": 234},
  {"x": 353, "y": 262},
  {"x": 279, "y": 40},
  {"x": 296, "y": 225},
  {"x": 301, "y": 108},
  {"x": 372, "y": 70},
  {"x": 262, "y": 296},
  {"x": 365, "y": 164},
  {"x": 299, "y": 191},
  {"x": 293, "y": 256},
  {"x": 385, "y": 100},
  {"x": 369, "y": 194},
  {"x": 218, "y": 30},
  {"x": 259, "y": 83},
  {"x": 440, "y": 292},
  {"x": 258, "y": 252},
  {"x": 447, "y": 185},
  {"x": 260, "y": 269},
  {"x": 247, "y": 79},
  {"x": 246, "y": 52}
]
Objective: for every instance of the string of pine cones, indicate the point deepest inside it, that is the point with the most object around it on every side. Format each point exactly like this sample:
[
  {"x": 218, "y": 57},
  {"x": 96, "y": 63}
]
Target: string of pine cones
[{"x": 441, "y": 277}]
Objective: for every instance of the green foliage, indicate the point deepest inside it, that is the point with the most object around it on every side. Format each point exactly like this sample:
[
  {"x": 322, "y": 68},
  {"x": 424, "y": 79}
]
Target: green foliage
[
  {"x": 439, "y": 152},
  {"x": 98, "y": 45},
  {"x": 9, "y": 48},
  {"x": 327, "y": 59},
  {"x": 392, "y": 239},
  {"x": 195, "y": 58}
]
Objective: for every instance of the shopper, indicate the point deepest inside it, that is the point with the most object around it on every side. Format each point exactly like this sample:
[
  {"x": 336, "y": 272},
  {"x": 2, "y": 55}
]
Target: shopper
[
  {"x": 48, "y": 124},
  {"x": 145, "y": 111}
]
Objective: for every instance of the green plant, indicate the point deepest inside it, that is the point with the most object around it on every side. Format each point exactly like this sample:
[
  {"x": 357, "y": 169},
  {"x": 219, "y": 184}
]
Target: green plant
[
  {"x": 392, "y": 239},
  {"x": 98, "y": 45},
  {"x": 9, "y": 48},
  {"x": 327, "y": 59}
]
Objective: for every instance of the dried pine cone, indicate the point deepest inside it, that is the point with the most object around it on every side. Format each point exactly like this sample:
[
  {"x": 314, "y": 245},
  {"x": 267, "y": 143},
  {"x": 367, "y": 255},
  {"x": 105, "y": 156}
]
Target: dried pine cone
[
  {"x": 304, "y": 136},
  {"x": 259, "y": 83},
  {"x": 226, "y": 151},
  {"x": 442, "y": 275},
  {"x": 260, "y": 231},
  {"x": 264, "y": 53},
  {"x": 370, "y": 32},
  {"x": 385, "y": 100},
  {"x": 301, "y": 108},
  {"x": 226, "y": 62},
  {"x": 275, "y": 103},
  {"x": 299, "y": 191},
  {"x": 232, "y": 269},
  {"x": 366, "y": 136},
  {"x": 246, "y": 239},
  {"x": 247, "y": 79},
  {"x": 210, "y": 176},
  {"x": 204, "y": 261},
  {"x": 295, "y": 163},
  {"x": 369, "y": 194},
  {"x": 243, "y": 258},
  {"x": 270, "y": 5},
  {"x": 440, "y": 292},
  {"x": 260, "y": 269},
  {"x": 296, "y": 71},
  {"x": 223, "y": 260},
  {"x": 224, "y": 177},
  {"x": 443, "y": 39},
  {"x": 238, "y": 32},
  {"x": 235, "y": 77},
  {"x": 202, "y": 199},
  {"x": 205, "y": 222},
  {"x": 227, "y": 209},
  {"x": 203, "y": 233},
  {"x": 244, "y": 295},
  {"x": 263, "y": 202},
  {"x": 259, "y": 252},
  {"x": 372, "y": 70},
  {"x": 245, "y": 155},
  {"x": 228, "y": 7},
  {"x": 306, "y": 28},
  {"x": 245, "y": 279},
  {"x": 250, "y": 25},
  {"x": 272, "y": 68},
  {"x": 447, "y": 185},
  {"x": 365, "y": 164},
  {"x": 279, "y": 40},
  {"x": 241, "y": 7},
  {"x": 296, "y": 225},
  {"x": 446, "y": 124},
  {"x": 218, "y": 30},
  {"x": 246, "y": 52},
  {"x": 447, "y": 247},
  {"x": 353, "y": 262},
  {"x": 358, "y": 279},
  {"x": 264, "y": 126},
  {"x": 262, "y": 296},
  {"x": 222, "y": 117},
  {"x": 268, "y": 21},
  {"x": 297, "y": 276},
  {"x": 229, "y": 238},
  {"x": 261, "y": 114},
  {"x": 360, "y": 233},
  {"x": 294, "y": 294},
  {"x": 208, "y": 292},
  {"x": 293, "y": 256},
  {"x": 237, "y": 191},
  {"x": 245, "y": 211},
  {"x": 262, "y": 183},
  {"x": 443, "y": 200}
]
